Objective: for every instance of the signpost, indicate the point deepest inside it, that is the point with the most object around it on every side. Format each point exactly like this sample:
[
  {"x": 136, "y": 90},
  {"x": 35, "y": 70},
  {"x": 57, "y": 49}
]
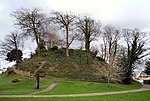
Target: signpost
[{"x": 37, "y": 79}]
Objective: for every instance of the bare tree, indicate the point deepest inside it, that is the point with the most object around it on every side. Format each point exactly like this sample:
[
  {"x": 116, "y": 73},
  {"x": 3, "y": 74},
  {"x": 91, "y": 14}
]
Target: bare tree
[
  {"x": 11, "y": 42},
  {"x": 31, "y": 22},
  {"x": 111, "y": 37},
  {"x": 66, "y": 22},
  {"x": 88, "y": 29},
  {"x": 52, "y": 38},
  {"x": 103, "y": 51}
]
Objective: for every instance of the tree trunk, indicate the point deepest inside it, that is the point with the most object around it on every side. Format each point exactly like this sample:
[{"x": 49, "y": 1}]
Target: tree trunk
[
  {"x": 87, "y": 47},
  {"x": 108, "y": 79},
  {"x": 38, "y": 45},
  {"x": 36, "y": 38},
  {"x": 17, "y": 54},
  {"x": 105, "y": 52},
  {"x": 109, "y": 73},
  {"x": 67, "y": 42},
  {"x": 87, "y": 44}
]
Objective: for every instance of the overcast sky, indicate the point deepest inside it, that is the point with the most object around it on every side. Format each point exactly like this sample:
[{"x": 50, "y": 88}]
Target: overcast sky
[{"x": 120, "y": 13}]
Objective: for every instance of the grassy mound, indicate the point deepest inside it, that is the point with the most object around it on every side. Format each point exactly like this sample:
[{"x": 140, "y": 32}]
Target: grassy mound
[{"x": 79, "y": 65}]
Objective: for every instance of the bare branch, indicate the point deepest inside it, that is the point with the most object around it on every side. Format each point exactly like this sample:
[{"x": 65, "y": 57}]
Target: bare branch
[
  {"x": 88, "y": 28},
  {"x": 65, "y": 21}
]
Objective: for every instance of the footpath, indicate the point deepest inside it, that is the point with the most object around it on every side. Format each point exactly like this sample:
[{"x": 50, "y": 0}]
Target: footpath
[{"x": 145, "y": 88}]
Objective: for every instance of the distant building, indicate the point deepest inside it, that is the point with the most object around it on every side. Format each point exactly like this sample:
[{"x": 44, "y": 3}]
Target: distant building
[
  {"x": 136, "y": 74},
  {"x": 1, "y": 71},
  {"x": 4, "y": 70},
  {"x": 144, "y": 76}
]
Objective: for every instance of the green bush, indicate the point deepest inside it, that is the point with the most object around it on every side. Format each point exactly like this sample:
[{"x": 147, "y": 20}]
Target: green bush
[
  {"x": 54, "y": 48},
  {"x": 16, "y": 80},
  {"x": 100, "y": 59}
]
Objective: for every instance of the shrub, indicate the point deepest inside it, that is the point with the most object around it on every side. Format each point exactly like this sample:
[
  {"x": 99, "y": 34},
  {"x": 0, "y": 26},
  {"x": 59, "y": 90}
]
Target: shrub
[
  {"x": 54, "y": 48},
  {"x": 16, "y": 80},
  {"x": 10, "y": 70},
  {"x": 100, "y": 59}
]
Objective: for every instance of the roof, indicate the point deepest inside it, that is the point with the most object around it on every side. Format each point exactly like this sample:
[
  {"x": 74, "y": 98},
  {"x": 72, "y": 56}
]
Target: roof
[{"x": 143, "y": 74}]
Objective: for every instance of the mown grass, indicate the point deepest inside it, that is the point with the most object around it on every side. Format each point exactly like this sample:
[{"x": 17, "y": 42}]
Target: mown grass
[
  {"x": 138, "y": 96},
  {"x": 77, "y": 87},
  {"x": 24, "y": 86}
]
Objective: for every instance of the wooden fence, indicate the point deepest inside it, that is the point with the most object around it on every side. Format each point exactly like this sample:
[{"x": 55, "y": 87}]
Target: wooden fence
[{"x": 26, "y": 73}]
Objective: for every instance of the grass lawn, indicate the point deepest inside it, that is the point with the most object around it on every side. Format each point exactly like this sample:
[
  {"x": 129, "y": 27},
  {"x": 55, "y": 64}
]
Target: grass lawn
[
  {"x": 24, "y": 86},
  {"x": 139, "y": 96},
  {"x": 76, "y": 87}
]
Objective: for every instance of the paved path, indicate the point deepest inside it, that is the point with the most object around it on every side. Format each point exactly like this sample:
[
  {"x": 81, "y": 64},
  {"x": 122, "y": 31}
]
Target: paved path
[
  {"x": 77, "y": 95},
  {"x": 146, "y": 86},
  {"x": 51, "y": 86}
]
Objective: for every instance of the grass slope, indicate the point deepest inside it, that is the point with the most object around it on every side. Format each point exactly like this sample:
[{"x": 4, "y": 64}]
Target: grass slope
[
  {"x": 24, "y": 86},
  {"x": 77, "y": 87},
  {"x": 139, "y": 96}
]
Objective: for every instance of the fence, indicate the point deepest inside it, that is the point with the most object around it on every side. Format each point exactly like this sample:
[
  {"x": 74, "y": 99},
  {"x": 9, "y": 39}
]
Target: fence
[{"x": 26, "y": 73}]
